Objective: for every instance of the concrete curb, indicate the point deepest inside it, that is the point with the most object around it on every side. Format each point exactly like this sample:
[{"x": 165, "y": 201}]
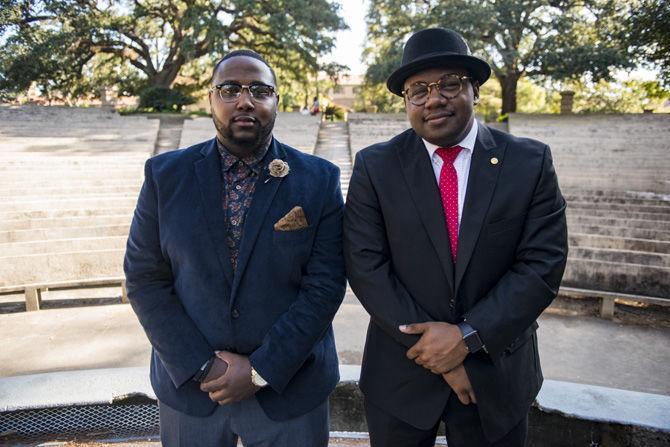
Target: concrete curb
[{"x": 564, "y": 414}]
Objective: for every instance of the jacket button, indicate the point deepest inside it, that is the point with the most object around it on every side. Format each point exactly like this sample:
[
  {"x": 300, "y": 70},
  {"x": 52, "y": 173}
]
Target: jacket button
[
  {"x": 452, "y": 303},
  {"x": 235, "y": 313}
]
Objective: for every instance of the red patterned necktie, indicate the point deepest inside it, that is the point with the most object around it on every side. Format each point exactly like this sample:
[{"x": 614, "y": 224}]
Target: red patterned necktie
[{"x": 449, "y": 193}]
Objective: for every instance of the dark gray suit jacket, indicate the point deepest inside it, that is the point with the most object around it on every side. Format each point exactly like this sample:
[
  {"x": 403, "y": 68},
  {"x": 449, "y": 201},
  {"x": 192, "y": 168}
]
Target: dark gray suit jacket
[{"x": 511, "y": 256}]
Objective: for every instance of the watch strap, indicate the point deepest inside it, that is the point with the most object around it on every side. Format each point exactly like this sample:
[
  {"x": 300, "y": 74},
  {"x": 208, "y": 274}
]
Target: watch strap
[
  {"x": 471, "y": 337},
  {"x": 204, "y": 370}
]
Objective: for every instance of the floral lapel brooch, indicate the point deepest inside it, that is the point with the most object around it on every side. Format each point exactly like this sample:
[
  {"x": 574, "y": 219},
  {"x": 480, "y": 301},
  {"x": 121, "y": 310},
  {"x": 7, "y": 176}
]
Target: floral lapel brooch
[{"x": 278, "y": 168}]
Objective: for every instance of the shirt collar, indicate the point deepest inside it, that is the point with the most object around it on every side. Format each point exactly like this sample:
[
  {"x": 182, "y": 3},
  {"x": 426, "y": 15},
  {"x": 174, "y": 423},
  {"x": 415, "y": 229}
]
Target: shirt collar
[
  {"x": 252, "y": 161},
  {"x": 467, "y": 143}
]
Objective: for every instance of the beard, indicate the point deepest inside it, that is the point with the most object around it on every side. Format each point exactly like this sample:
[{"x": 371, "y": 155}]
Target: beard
[{"x": 249, "y": 140}]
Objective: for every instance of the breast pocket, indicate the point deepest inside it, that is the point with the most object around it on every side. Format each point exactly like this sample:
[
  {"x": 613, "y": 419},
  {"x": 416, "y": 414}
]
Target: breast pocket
[
  {"x": 292, "y": 237},
  {"x": 501, "y": 226}
]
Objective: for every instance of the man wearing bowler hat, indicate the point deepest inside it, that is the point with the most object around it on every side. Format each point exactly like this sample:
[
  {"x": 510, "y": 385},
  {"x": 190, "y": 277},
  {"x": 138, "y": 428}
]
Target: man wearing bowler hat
[{"x": 455, "y": 242}]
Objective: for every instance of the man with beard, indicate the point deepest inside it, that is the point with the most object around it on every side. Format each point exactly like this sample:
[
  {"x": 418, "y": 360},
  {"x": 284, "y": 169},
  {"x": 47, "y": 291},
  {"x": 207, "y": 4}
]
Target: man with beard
[
  {"x": 234, "y": 268},
  {"x": 455, "y": 242}
]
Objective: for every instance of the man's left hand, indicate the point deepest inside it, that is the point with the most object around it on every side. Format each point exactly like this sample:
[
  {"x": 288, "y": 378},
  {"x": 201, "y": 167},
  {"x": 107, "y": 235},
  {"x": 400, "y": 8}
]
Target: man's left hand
[
  {"x": 441, "y": 347},
  {"x": 235, "y": 385}
]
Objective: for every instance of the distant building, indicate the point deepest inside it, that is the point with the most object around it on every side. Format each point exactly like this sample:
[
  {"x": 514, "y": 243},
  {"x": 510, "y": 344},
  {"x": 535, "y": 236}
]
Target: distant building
[{"x": 346, "y": 91}]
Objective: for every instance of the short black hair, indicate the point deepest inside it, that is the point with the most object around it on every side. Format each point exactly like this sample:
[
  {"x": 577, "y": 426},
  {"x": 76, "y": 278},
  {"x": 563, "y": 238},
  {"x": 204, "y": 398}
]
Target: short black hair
[{"x": 247, "y": 53}]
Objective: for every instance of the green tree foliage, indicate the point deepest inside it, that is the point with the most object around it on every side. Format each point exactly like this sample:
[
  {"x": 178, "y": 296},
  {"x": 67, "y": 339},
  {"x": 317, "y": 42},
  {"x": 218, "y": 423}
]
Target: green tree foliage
[
  {"x": 52, "y": 42},
  {"x": 164, "y": 99},
  {"x": 559, "y": 39},
  {"x": 630, "y": 96},
  {"x": 649, "y": 25}
]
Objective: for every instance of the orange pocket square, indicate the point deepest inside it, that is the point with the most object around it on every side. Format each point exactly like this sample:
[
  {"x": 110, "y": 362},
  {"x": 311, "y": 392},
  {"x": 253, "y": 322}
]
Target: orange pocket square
[{"x": 293, "y": 220}]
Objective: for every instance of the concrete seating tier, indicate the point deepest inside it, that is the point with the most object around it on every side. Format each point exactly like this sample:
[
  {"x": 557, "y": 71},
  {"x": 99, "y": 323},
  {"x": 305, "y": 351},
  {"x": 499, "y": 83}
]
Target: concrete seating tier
[
  {"x": 643, "y": 280},
  {"x": 64, "y": 222},
  {"x": 42, "y": 234},
  {"x": 71, "y": 130},
  {"x": 69, "y": 203},
  {"x": 370, "y": 128},
  {"x": 617, "y": 243},
  {"x": 75, "y": 212},
  {"x": 662, "y": 226},
  {"x": 622, "y": 256},
  {"x": 66, "y": 266},
  {"x": 69, "y": 180},
  {"x": 78, "y": 244},
  {"x": 610, "y": 152},
  {"x": 296, "y": 130}
]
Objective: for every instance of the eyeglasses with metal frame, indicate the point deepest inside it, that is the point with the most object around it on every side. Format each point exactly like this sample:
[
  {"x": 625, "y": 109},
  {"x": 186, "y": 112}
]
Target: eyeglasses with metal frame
[
  {"x": 231, "y": 91},
  {"x": 449, "y": 86}
]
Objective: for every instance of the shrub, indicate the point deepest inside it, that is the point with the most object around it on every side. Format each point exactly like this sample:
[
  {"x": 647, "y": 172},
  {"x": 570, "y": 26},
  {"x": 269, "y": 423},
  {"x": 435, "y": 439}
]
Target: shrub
[
  {"x": 163, "y": 99},
  {"x": 335, "y": 111}
]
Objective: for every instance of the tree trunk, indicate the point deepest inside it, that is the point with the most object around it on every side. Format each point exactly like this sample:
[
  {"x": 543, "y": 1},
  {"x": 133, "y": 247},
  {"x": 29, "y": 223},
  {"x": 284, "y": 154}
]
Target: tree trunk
[
  {"x": 508, "y": 83},
  {"x": 166, "y": 76}
]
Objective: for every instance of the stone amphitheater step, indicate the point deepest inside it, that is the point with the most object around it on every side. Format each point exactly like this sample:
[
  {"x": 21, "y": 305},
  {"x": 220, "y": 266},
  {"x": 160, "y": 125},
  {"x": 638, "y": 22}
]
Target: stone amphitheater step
[
  {"x": 74, "y": 196},
  {"x": 616, "y": 214},
  {"x": 41, "y": 234},
  {"x": 596, "y": 151},
  {"x": 59, "y": 190},
  {"x": 68, "y": 203},
  {"x": 617, "y": 277},
  {"x": 614, "y": 222},
  {"x": 52, "y": 267},
  {"x": 623, "y": 232},
  {"x": 61, "y": 213},
  {"x": 641, "y": 184},
  {"x": 71, "y": 183},
  {"x": 63, "y": 246},
  {"x": 333, "y": 145},
  {"x": 169, "y": 133},
  {"x": 577, "y": 239},
  {"x": 621, "y": 256},
  {"x": 65, "y": 222},
  {"x": 628, "y": 200},
  {"x": 662, "y": 210}
]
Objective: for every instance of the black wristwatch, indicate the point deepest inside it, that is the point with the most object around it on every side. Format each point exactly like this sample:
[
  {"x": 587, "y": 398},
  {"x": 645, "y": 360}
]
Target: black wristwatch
[{"x": 471, "y": 338}]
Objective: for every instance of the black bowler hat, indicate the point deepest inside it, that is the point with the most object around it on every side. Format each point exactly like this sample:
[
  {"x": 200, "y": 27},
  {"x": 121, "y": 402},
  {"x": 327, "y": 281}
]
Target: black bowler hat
[{"x": 432, "y": 47}]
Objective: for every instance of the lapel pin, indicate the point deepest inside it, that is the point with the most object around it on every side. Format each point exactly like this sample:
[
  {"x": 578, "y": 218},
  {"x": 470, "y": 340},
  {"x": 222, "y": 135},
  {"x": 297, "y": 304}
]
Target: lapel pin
[{"x": 494, "y": 161}]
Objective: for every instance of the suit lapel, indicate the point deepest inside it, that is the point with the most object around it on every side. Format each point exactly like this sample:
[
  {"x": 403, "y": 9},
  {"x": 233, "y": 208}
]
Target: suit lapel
[
  {"x": 208, "y": 172},
  {"x": 420, "y": 179},
  {"x": 266, "y": 188},
  {"x": 481, "y": 184}
]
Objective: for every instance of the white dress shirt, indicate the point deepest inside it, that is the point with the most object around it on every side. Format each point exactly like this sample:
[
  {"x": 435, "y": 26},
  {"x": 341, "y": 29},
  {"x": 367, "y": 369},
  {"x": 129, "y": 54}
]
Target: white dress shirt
[{"x": 461, "y": 164}]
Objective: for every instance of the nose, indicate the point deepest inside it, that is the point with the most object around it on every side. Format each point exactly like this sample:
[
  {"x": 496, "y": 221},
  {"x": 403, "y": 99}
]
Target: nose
[
  {"x": 244, "y": 102},
  {"x": 434, "y": 94}
]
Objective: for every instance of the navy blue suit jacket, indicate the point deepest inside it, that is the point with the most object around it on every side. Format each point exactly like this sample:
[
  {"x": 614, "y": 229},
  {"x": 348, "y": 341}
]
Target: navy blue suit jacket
[{"x": 278, "y": 306}]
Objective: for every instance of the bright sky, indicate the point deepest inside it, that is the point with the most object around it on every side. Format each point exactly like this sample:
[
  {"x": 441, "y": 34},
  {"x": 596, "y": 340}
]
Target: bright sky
[{"x": 350, "y": 42}]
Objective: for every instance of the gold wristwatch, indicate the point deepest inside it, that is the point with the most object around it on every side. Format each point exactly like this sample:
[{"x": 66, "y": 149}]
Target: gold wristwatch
[{"x": 256, "y": 378}]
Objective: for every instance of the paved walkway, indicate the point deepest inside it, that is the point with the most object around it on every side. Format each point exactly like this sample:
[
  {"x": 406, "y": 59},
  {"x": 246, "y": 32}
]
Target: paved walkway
[
  {"x": 333, "y": 145},
  {"x": 579, "y": 349}
]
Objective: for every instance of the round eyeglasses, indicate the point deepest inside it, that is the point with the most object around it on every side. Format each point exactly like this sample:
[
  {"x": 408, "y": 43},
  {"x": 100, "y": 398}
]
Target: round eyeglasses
[
  {"x": 231, "y": 92},
  {"x": 449, "y": 86}
]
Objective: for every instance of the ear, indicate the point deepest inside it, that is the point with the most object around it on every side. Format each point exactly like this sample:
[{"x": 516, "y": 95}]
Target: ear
[{"x": 475, "y": 91}]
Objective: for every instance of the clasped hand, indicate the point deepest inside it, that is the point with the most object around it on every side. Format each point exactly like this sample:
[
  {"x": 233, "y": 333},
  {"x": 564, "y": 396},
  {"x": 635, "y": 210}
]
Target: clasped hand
[
  {"x": 229, "y": 380},
  {"x": 441, "y": 349}
]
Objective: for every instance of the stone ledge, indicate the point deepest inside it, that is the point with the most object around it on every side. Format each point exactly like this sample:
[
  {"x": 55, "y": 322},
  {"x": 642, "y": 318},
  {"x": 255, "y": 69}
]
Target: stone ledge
[{"x": 564, "y": 414}]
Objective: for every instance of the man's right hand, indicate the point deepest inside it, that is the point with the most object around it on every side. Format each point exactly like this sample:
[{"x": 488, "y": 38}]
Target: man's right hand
[
  {"x": 219, "y": 368},
  {"x": 458, "y": 380}
]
